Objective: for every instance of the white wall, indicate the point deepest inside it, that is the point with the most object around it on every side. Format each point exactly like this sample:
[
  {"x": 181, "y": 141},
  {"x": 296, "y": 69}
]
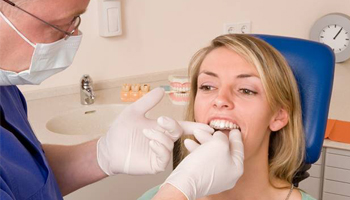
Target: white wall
[{"x": 162, "y": 35}]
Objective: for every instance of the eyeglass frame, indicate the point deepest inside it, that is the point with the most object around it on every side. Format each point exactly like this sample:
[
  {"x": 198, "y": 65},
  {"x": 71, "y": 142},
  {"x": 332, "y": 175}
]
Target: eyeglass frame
[{"x": 68, "y": 34}]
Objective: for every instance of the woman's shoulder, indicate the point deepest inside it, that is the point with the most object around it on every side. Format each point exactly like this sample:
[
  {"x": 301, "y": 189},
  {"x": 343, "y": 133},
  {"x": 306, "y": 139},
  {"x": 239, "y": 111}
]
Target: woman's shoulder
[
  {"x": 150, "y": 193},
  {"x": 305, "y": 196}
]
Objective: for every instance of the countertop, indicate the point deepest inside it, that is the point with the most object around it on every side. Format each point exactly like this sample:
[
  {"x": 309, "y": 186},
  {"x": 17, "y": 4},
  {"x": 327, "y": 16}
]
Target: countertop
[
  {"x": 337, "y": 145},
  {"x": 40, "y": 111}
]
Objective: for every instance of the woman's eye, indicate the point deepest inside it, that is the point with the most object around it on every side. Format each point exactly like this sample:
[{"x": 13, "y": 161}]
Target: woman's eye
[
  {"x": 206, "y": 87},
  {"x": 247, "y": 91}
]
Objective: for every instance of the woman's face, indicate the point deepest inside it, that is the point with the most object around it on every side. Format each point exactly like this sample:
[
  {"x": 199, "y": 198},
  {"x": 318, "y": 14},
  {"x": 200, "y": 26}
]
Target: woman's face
[{"x": 230, "y": 94}]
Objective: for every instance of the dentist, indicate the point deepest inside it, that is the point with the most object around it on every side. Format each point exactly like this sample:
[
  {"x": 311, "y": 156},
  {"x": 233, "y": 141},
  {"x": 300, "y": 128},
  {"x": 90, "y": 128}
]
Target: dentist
[{"x": 39, "y": 38}]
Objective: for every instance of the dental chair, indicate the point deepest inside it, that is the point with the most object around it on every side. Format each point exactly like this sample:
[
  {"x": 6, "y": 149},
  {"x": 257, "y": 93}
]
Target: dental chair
[{"x": 313, "y": 66}]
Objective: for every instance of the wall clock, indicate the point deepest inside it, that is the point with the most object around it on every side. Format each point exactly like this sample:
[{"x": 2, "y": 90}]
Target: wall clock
[{"x": 334, "y": 30}]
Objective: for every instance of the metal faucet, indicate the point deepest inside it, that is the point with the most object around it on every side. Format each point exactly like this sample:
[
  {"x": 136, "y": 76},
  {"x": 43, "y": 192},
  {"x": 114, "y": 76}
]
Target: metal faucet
[{"x": 87, "y": 95}]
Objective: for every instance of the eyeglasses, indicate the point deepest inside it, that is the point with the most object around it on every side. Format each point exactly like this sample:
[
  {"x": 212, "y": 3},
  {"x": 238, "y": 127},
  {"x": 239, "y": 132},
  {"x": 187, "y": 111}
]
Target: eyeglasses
[{"x": 69, "y": 32}]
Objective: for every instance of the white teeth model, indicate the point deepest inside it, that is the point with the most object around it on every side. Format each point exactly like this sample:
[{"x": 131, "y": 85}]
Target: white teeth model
[
  {"x": 222, "y": 124},
  {"x": 181, "y": 94},
  {"x": 181, "y": 89}
]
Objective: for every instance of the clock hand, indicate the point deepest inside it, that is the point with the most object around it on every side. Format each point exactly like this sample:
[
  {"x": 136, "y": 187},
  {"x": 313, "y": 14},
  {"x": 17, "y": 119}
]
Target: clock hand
[{"x": 337, "y": 33}]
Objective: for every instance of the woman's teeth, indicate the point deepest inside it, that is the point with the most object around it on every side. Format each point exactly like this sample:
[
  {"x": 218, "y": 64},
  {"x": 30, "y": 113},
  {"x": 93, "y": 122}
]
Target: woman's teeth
[{"x": 220, "y": 124}]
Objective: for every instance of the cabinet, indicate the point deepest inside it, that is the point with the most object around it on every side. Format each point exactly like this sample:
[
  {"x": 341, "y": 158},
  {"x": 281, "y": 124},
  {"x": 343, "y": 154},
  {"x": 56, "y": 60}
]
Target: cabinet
[
  {"x": 329, "y": 176},
  {"x": 313, "y": 184},
  {"x": 336, "y": 175}
]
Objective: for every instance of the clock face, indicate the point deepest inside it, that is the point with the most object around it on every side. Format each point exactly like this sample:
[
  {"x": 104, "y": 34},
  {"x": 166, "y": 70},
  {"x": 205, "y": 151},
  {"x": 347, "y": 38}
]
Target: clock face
[
  {"x": 335, "y": 36},
  {"x": 333, "y": 30}
]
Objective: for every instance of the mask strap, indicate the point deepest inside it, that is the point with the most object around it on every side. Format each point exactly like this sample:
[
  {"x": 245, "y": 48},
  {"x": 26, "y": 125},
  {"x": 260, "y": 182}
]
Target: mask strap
[{"x": 14, "y": 28}]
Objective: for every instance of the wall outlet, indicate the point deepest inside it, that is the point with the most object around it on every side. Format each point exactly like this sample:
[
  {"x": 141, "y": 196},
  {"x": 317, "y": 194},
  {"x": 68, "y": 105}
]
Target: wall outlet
[{"x": 242, "y": 27}]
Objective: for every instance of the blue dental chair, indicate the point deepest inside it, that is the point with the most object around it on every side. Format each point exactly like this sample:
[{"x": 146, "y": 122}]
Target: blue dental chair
[{"x": 313, "y": 66}]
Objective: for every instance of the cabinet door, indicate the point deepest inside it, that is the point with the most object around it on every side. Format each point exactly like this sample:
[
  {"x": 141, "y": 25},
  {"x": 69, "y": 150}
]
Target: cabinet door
[
  {"x": 336, "y": 174},
  {"x": 335, "y": 187},
  {"x": 338, "y": 160},
  {"x": 328, "y": 196}
]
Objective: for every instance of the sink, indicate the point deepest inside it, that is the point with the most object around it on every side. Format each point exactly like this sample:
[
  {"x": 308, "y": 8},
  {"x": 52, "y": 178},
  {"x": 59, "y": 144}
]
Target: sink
[{"x": 88, "y": 120}]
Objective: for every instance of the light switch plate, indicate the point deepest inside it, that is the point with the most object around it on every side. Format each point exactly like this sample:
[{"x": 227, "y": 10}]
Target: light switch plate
[{"x": 109, "y": 12}]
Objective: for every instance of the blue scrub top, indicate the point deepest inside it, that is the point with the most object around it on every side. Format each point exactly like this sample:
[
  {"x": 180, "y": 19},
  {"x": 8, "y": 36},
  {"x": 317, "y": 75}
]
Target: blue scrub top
[{"x": 24, "y": 170}]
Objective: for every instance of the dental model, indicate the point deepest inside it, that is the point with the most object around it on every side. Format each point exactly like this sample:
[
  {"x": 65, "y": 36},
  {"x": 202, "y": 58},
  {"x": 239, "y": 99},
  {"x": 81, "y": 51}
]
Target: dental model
[
  {"x": 134, "y": 94},
  {"x": 219, "y": 124},
  {"x": 124, "y": 93},
  {"x": 131, "y": 93},
  {"x": 180, "y": 89}
]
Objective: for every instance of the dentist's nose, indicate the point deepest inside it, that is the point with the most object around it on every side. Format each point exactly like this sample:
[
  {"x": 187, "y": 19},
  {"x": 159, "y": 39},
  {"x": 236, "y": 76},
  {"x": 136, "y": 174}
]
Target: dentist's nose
[{"x": 224, "y": 100}]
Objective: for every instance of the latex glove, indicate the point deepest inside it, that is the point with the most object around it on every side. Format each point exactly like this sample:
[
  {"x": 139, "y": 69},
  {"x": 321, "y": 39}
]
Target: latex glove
[
  {"x": 210, "y": 168},
  {"x": 126, "y": 150},
  {"x": 174, "y": 130}
]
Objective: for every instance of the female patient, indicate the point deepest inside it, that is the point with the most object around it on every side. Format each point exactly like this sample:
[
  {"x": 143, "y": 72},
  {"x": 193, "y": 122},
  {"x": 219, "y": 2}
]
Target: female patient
[{"x": 241, "y": 82}]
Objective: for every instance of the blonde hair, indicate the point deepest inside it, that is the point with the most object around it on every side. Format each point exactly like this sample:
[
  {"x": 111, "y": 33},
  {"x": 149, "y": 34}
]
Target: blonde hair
[{"x": 286, "y": 146}]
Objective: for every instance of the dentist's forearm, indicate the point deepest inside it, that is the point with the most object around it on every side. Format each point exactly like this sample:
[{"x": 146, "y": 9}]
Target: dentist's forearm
[
  {"x": 74, "y": 166},
  {"x": 169, "y": 192}
]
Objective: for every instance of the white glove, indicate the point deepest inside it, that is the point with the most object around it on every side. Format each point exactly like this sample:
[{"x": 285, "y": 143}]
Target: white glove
[
  {"x": 210, "y": 168},
  {"x": 126, "y": 150}
]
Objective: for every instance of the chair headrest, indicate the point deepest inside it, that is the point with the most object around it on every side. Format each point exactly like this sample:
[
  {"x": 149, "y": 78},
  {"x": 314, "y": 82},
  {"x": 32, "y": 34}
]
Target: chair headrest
[{"x": 313, "y": 66}]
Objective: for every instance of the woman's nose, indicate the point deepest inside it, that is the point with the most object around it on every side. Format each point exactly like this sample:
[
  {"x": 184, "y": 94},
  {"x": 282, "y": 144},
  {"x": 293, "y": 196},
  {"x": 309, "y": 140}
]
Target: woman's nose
[{"x": 223, "y": 100}]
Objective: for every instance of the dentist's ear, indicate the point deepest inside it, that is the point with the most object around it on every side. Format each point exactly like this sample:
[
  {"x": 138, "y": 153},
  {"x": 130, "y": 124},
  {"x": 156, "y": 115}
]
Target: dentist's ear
[{"x": 279, "y": 120}]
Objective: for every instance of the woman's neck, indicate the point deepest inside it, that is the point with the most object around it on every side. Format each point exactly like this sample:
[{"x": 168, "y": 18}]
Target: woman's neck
[{"x": 254, "y": 183}]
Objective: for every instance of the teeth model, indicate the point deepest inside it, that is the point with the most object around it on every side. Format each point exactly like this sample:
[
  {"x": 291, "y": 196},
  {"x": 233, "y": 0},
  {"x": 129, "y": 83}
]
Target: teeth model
[
  {"x": 180, "y": 86},
  {"x": 220, "y": 124},
  {"x": 132, "y": 92}
]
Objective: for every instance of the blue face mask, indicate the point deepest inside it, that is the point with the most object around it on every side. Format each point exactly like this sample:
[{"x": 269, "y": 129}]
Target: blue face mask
[{"x": 47, "y": 60}]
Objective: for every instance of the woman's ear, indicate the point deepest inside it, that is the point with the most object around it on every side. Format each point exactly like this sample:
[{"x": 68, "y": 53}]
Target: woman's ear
[{"x": 279, "y": 120}]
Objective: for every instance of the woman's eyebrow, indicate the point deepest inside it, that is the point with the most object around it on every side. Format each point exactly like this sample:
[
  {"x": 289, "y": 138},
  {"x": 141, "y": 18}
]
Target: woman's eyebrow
[
  {"x": 208, "y": 73},
  {"x": 240, "y": 76},
  {"x": 248, "y": 76}
]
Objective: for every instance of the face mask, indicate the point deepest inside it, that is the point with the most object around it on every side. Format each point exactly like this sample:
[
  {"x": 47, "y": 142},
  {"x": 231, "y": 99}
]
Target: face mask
[{"x": 47, "y": 60}]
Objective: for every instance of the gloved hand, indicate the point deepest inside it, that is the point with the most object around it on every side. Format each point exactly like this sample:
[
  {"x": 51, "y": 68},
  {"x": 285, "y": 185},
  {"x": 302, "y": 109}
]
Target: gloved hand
[
  {"x": 126, "y": 150},
  {"x": 210, "y": 168}
]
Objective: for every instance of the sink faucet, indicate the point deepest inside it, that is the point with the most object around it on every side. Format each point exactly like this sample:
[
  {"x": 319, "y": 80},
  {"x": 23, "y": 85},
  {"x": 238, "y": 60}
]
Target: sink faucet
[{"x": 87, "y": 95}]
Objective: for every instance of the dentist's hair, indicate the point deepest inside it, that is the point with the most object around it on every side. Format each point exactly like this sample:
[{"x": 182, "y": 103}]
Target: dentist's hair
[{"x": 286, "y": 146}]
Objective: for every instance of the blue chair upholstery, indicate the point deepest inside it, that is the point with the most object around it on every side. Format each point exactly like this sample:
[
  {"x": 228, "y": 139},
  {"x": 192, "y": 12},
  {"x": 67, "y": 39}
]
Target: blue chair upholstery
[{"x": 313, "y": 66}]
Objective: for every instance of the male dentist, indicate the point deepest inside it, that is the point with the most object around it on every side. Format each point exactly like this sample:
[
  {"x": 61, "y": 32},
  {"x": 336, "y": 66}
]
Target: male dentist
[{"x": 39, "y": 38}]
